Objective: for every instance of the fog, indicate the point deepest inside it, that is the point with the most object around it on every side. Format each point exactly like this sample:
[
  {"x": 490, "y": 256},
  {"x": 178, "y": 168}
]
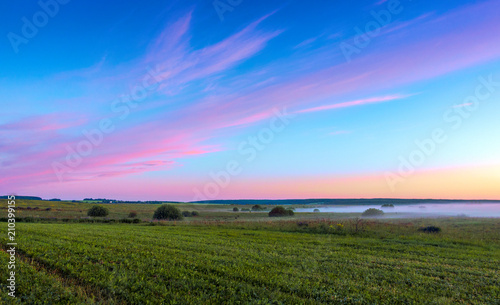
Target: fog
[{"x": 420, "y": 210}]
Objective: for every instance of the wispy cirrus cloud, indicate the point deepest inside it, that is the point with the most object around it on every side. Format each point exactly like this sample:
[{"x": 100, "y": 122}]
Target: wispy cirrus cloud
[
  {"x": 462, "y": 105},
  {"x": 360, "y": 102},
  {"x": 339, "y": 132}
]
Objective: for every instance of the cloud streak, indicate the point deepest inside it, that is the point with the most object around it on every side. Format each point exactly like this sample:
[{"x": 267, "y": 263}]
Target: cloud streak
[{"x": 360, "y": 102}]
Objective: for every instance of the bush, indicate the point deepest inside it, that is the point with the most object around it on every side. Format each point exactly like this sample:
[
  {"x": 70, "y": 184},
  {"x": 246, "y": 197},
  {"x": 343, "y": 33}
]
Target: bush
[
  {"x": 97, "y": 211},
  {"x": 236, "y": 210},
  {"x": 430, "y": 229},
  {"x": 186, "y": 213},
  {"x": 316, "y": 211},
  {"x": 136, "y": 220},
  {"x": 257, "y": 207},
  {"x": 167, "y": 212},
  {"x": 27, "y": 219},
  {"x": 280, "y": 212},
  {"x": 373, "y": 213},
  {"x": 388, "y": 205},
  {"x": 195, "y": 213},
  {"x": 132, "y": 214}
]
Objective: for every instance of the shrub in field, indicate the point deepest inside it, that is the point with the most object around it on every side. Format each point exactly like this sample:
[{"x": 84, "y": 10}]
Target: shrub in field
[
  {"x": 430, "y": 229},
  {"x": 136, "y": 220},
  {"x": 316, "y": 211},
  {"x": 97, "y": 211},
  {"x": 167, "y": 212},
  {"x": 186, "y": 213},
  {"x": 132, "y": 214},
  {"x": 388, "y": 205},
  {"x": 195, "y": 213},
  {"x": 372, "y": 213},
  {"x": 257, "y": 207},
  {"x": 280, "y": 212},
  {"x": 236, "y": 210}
]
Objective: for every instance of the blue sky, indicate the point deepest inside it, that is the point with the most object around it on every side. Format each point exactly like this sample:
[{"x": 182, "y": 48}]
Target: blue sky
[{"x": 215, "y": 78}]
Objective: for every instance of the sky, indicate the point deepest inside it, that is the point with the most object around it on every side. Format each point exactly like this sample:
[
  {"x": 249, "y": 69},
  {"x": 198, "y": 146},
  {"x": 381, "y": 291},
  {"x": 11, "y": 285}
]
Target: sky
[{"x": 201, "y": 100}]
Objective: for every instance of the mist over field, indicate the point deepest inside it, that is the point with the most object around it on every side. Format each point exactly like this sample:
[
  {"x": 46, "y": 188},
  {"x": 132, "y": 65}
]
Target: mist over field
[{"x": 420, "y": 210}]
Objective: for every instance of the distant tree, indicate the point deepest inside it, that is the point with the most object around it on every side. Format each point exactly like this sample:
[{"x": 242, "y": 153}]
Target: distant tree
[
  {"x": 280, "y": 212},
  {"x": 195, "y": 213},
  {"x": 167, "y": 212},
  {"x": 316, "y": 211},
  {"x": 257, "y": 207},
  {"x": 97, "y": 211},
  {"x": 132, "y": 214},
  {"x": 372, "y": 213},
  {"x": 388, "y": 205},
  {"x": 186, "y": 213},
  {"x": 236, "y": 210}
]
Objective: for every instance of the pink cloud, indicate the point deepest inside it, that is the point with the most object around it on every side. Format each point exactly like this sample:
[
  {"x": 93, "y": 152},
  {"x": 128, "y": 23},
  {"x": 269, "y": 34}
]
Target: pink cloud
[
  {"x": 335, "y": 133},
  {"x": 353, "y": 103},
  {"x": 462, "y": 105},
  {"x": 47, "y": 122}
]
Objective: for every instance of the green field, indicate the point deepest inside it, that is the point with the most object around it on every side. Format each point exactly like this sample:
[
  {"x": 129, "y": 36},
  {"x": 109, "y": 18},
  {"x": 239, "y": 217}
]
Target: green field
[{"x": 299, "y": 260}]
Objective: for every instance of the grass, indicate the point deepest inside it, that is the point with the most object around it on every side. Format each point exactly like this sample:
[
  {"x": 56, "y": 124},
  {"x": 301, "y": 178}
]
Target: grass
[
  {"x": 213, "y": 264},
  {"x": 302, "y": 260}
]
